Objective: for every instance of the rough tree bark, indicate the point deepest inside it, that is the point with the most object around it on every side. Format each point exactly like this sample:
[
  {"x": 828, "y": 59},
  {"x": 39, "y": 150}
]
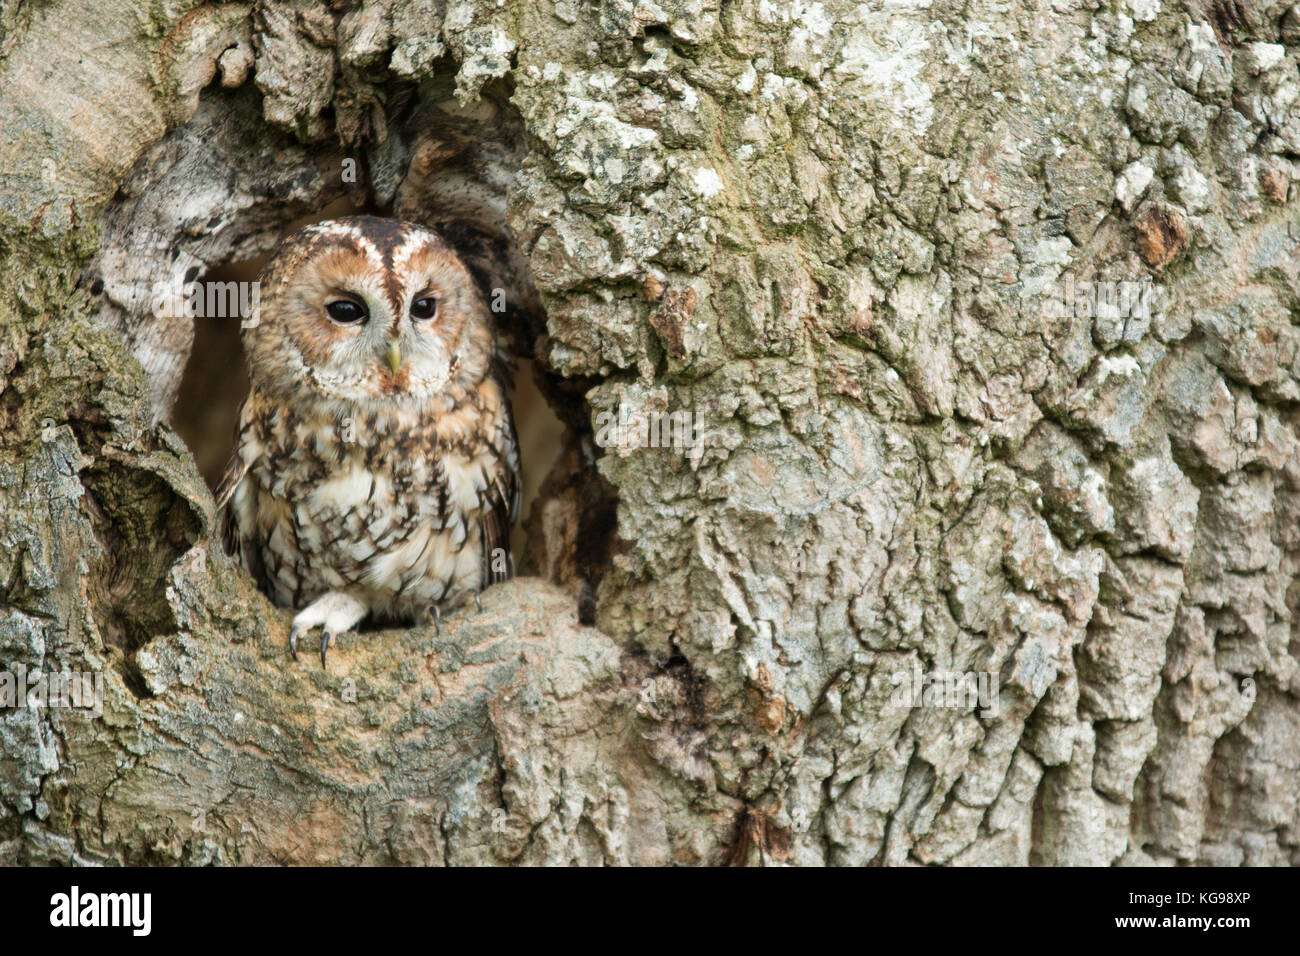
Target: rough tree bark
[{"x": 832, "y": 231}]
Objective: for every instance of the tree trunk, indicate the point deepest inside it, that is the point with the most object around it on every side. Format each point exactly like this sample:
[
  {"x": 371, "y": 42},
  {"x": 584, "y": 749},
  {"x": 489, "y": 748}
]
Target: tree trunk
[{"x": 982, "y": 328}]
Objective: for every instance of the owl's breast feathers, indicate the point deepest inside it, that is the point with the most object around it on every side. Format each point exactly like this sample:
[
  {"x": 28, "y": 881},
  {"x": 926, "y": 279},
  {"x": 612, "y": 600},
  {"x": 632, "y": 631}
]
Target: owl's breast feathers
[{"x": 398, "y": 507}]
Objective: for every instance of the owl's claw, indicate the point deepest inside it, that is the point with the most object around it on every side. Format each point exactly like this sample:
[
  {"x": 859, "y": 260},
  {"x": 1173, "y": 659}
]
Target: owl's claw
[
  {"x": 325, "y": 639},
  {"x": 479, "y": 602},
  {"x": 333, "y": 613},
  {"x": 436, "y": 618}
]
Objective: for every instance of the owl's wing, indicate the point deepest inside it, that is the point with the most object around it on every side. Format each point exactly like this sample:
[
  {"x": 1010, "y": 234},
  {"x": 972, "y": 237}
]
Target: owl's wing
[
  {"x": 502, "y": 501},
  {"x": 503, "y": 505},
  {"x": 236, "y": 468},
  {"x": 241, "y": 459}
]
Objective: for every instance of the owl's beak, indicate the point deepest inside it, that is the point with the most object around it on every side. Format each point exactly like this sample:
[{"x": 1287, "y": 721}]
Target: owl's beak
[{"x": 394, "y": 357}]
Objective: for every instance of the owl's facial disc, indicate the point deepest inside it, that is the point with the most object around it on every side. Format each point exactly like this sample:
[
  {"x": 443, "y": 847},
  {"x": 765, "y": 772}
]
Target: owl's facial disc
[
  {"x": 375, "y": 353},
  {"x": 371, "y": 312}
]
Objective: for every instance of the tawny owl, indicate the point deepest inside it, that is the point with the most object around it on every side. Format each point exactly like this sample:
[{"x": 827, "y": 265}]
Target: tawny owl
[{"x": 376, "y": 469}]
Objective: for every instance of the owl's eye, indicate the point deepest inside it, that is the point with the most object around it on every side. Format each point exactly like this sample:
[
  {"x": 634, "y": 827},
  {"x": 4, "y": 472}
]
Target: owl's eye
[
  {"x": 425, "y": 307},
  {"x": 346, "y": 312}
]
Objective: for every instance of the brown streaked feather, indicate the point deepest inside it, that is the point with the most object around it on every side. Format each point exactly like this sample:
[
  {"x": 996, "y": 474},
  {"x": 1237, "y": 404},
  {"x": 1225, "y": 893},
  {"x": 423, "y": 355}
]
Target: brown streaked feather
[
  {"x": 503, "y": 504},
  {"x": 236, "y": 468},
  {"x": 243, "y": 551},
  {"x": 504, "y": 492}
]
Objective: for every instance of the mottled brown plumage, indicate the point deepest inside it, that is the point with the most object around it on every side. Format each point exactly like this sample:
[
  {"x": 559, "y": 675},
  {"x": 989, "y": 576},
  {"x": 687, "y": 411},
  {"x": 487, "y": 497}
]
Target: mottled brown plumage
[{"x": 376, "y": 469}]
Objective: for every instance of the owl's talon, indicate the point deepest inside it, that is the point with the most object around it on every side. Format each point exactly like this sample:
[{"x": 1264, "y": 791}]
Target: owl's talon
[
  {"x": 436, "y": 618},
  {"x": 334, "y": 613},
  {"x": 293, "y": 642},
  {"x": 479, "y": 602}
]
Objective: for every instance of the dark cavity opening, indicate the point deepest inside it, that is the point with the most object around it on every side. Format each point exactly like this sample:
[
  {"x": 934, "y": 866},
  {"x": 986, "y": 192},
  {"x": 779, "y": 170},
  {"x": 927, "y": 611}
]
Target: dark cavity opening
[{"x": 211, "y": 200}]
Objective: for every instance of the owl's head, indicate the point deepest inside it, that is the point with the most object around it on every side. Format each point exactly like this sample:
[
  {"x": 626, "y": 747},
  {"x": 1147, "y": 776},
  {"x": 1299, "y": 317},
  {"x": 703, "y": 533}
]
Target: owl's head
[{"x": 367, "y": 310}]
